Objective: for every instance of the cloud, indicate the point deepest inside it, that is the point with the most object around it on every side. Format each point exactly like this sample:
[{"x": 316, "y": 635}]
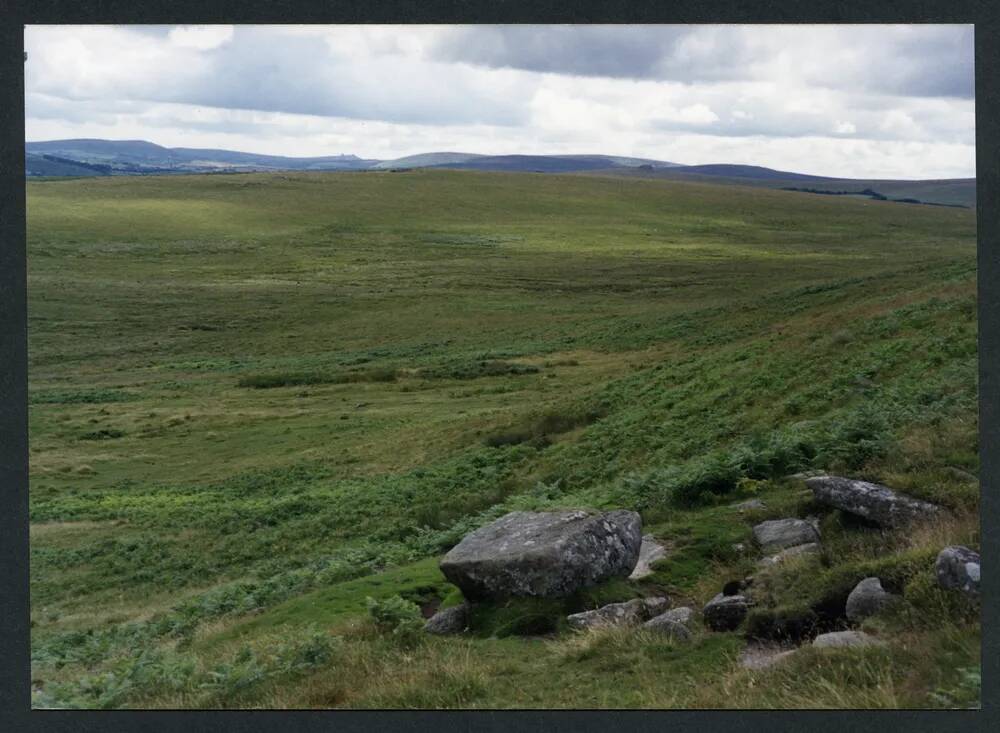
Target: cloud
[
  {"x": 904, "y": 60},
  {"x": 202, "y": 37},
  {"x": 830, "y": 94}
]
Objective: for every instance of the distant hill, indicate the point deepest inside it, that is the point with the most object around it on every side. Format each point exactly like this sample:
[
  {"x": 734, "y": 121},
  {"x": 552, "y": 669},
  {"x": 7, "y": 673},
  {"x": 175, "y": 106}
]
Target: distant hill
[
  {"x": 552, "y": 163},
  {"x": 946, "y": 192},
  {"x": 427, "y": 159},
  {"x": 92, "y": 157},
  {"x": 130, "y": 157}
]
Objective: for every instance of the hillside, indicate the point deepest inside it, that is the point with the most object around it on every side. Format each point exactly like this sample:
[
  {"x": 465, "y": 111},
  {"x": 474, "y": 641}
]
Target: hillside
[
  {"x": 258, "y": 400},
  {"x": 952, "y": 192}
]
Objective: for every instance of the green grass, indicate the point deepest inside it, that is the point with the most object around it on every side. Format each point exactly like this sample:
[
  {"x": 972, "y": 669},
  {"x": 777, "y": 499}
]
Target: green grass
[{"x": 259, "y": 400}]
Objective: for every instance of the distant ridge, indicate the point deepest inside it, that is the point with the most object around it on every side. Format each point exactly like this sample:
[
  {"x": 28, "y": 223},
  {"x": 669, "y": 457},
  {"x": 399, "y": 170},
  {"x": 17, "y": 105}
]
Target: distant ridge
[{"x": 95, "y": 157}]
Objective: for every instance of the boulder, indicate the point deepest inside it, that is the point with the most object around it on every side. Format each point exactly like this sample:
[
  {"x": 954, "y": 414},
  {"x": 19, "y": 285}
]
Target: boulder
[
  {"x": 846, "y": 639},
  {"x": 452, "y": 620},
  {"x": 874, "y": 502},
  {"x": 674, "y": 623},
  {"x": 649, "y": 552},
  {"x": 789, "y": 552},
  {"x": 777, "y": 534},
  {"x": 867, "y": 599},
  {"x": 725, "y": 613},
  {"x": 957, "y": 567},
  {"x": 544, "y": 554},
  {"x": 629, "y": 613},
  {"x": 750, "y": 505}
]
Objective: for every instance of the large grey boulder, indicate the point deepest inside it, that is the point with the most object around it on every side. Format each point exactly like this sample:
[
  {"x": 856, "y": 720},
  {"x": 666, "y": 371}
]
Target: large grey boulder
[
  {"x": 867, "y": 599},
  {"x": 545, "y": 554},
  {"x": 629, "y": 613},
  {"x": 777, "y": 534},
  {"x": 846, "y": 639},
  {"x": 649, "y": 552},
  {"x": 874, "y": 502},
  {"x": 725, "y": 613},
  {"x": 674, "y": 623},
  {"x": 449, "y": 620},
  {"x": 957, "y": 567}
]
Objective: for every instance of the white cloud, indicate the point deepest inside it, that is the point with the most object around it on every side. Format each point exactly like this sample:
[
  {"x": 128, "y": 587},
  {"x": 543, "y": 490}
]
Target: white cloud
[
  {"x": 202, "y": 37},
  {"x": 799, "y": 98}
]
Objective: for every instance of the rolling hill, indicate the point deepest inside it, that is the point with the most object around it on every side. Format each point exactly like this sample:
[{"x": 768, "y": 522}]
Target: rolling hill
[{"x": 91, "y": 157}]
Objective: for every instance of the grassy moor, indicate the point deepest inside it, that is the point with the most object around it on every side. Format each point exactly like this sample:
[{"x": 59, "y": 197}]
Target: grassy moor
[{"x": 264, "y": 405}]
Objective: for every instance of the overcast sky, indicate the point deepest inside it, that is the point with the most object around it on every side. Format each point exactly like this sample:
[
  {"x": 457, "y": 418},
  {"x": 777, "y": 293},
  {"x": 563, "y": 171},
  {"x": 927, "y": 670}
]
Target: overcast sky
[{"x": 855, "y": 101}]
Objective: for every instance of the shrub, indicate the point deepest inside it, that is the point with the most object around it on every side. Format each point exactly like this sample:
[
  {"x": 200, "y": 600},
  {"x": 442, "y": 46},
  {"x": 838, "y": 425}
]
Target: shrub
[{"x": 397, "y": 616}]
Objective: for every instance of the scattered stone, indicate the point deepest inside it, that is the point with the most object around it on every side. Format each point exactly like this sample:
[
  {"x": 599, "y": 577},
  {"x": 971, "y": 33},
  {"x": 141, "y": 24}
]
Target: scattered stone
[
  {"x": 874, "y": 502},
  {"x": 649, "y": 552},
  {"x": 629, "y": 613},
  {"x": 761, "y": 655},
  {"x": 673, "y": 623},
  {"x": 846, "y": 639},
  {"x": 725, "y": 613},
  {"x": 544, "y": 554},
  {"x": 777, "y": 534},
  {"x": 751, "y": 505},
  {"x": 867, "y": 599},
  {"x": 452, "y": 620},
  {"x": 957, "y": 567},
  {"x": 790, "y": 552},
  {"x": 961, "y": 474}
]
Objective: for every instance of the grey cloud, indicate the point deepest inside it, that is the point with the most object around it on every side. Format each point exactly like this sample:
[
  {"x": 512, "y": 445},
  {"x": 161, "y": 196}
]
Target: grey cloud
[{"x": 917, "y": 61}]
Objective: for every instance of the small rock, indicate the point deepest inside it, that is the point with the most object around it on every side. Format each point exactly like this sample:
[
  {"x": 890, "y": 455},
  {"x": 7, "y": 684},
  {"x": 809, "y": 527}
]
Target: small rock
[
  {"x": 777, "y": 534},
  {"x": 749, "y": 506},
  {"x": 725, "y": 613},
  {"x": 846, "y": 639},
  {"x": 673, "y": 623},
  {"x": 629, "y": 613},
  {"x": 867, "y": 599},
  {"x": 961, "y": 474},
  {"x": 874, "y": 502},
  {"x": 957, "y": 567},
  {"x": 649, "y": 552},
  {"x": 788, "y": 553},
  {"x": 732, "y": 588},
  {"x": 760, "y": 655},
  {"x": 449, "y": 620}
]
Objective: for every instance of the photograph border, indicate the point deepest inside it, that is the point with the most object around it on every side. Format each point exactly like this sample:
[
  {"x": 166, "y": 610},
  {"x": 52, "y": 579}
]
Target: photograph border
[{"x": 15, "y": 712}]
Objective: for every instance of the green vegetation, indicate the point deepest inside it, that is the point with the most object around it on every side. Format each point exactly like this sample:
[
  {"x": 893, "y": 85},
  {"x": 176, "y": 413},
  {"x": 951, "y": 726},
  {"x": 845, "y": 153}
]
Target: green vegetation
[{"x": 258, "y": 401}]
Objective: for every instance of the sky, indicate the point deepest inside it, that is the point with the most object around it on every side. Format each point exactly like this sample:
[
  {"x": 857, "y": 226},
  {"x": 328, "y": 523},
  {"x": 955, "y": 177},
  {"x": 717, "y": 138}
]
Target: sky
[{"x": 876, "y": 101}]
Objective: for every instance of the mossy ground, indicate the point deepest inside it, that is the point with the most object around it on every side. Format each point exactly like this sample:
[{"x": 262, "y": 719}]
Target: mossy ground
[{"x": 258, "y": 400}]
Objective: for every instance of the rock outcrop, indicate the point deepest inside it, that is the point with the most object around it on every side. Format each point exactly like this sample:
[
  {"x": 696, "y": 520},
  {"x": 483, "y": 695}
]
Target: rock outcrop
[
  {"x": 675, "y": 623},
  {"x": 777, "y": 534},
  {"x": 544, "y": 554},
  {"x": 629, "y": 613},
  {"x": 957, "y": 568},
  {"x": 725, "y": 613},
  {"x": 452, "y": 620},
  {"x": 649, "y": 552},
  {"x": 867, "y": 599},
  {"x": 874, "y": 502}
]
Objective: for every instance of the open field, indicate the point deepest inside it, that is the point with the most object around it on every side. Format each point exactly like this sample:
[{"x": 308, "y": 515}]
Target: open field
[{"x": 258, "y": 400}]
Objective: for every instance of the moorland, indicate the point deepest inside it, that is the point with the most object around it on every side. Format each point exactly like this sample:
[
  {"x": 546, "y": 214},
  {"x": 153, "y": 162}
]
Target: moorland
[{"x": 259, "y": 400}]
